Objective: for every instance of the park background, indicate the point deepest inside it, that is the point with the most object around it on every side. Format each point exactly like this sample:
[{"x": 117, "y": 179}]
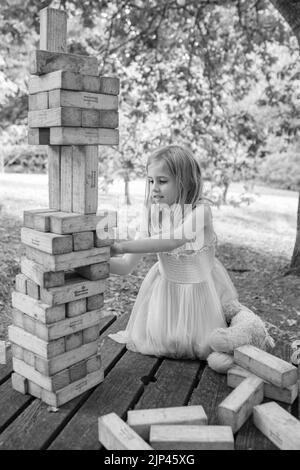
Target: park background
[{"x": 221, "y": 77}]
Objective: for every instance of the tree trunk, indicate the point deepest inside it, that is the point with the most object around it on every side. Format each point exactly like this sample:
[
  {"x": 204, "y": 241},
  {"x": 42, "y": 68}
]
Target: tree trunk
[{"x": 290, "y": 10}]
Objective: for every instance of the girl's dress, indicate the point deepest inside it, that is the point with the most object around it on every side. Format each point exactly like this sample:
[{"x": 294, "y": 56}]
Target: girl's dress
[{"x": 183, "y": 296}]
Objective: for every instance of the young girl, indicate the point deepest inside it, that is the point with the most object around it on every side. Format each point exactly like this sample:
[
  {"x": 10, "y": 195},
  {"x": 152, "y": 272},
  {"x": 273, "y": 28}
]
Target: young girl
[{"x": 183, "y": 296}]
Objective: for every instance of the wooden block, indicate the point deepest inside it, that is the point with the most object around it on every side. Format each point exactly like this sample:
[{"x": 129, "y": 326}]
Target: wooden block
[
  {"x": 278, "y": 425},
  {"x": 57, "y": 80},
  {"x": 42, "y": 62},
  {"x": 3, "y": 352},
  {"x": 65, "y": 223},
  {"x": 55, "y": 117},
  {"x": 94, "y": 118},
  {"x": 85, "y": 179},
  {"x": 69, "y": 260},
  {"x": 38, "y": 219},
  {"x": 38, "y": 136},
  {"x": 141, "y": 420},
  {"x": 238, "y": 406},
  {"x": 75, "y": 288},
  {"x": 48, "y": 383},
  {"x": 47, "y": 242},
  {"x": 66, "y": 179},
  {"x": 43, "y": 278},
  {"x": 90, "y": 83},
  {"x": 107, "y": 241},
  {"x": 65, "y": 394},
  {"x": 237, "y": 374},
  {"x": 265, "y": 365},
  {"x": 82, "y": 99},
  {"x": 33, "y": 289},
  {"x": 17, "y": 318},
  {"x": 114, "y": 434},
  {"x": 83, "y": 241},
  {"x": 191, "y": 437},
  {"x": 73, "y": 341},
  {"x": 67, "y": 359},
  {"x": 21, "y": 283},
  {"x": 90, "y": 334},
  {"x": 94, "y": 301},
  {"x": 78, "y": 136},
  {"x": 17, "y": 351},
  {"x": 53, "y": 30},
  {"x": 109, "y": 85},
  {"x": 78, "y": 371},
  {"x": 94, "y": 272},
  {"x": 28, "y": 357},
  {"x": 94, "y": 363},
  {"x": 19, "y": 383},
  {"x": 38, "y": 101},
  {"x": 36, "y": 345},
  {"x": 54, "y": 180},
  {"x": 37, "y": 309},
  {"x": 76, "y": 307}
]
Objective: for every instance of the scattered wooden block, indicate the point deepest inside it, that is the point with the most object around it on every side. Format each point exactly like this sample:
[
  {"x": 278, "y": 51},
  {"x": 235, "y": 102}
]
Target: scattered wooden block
[
  {"x": 67, "y": 261},
  {"x": 54, "y": 179},
  {"x": 54, "y": 117},
  {"x": 109, "y": 85},
  {"x": 19, "y": 383},
  {"x": 75, "y": 288},
  {"x": 94, "y": 301},
  {"x": 114, "y": 434},
  {"x": 81, "y": 99},
  {"x": 85, "y": 179},
  {"x": 53, "y": 30},
  {"x": 57, "y": 80},
  {"x": 94, "y": 272},
  {"x": 43, "y": 278},
  {"x": 83, "y": 241},
  {"x": 33, "y": 289},
  {"x": 47, "y": 242},
  {"x": 77, "y": 371},
  {"x": 37, "y": 309},
  {"x": 36, "y": 345},
  {"x": 39, "y": 136},
  {"x": 76, "y": 307},
  {"x": 237, "y": 374},
  {"x": 66, "y": 178},
  {"x": 278, "y": 425},
  {"x": 48, "y": 383},
  {"x": 73, "y": 341},
  {"x": 76, "y": 136},
  {"x": 191, "y": 437},
  {"x": 42, "y": 62},
  {"x": 265, "y": 365},
  {"x": 93, "y": 364},
  {"x": 38, "y": 219},
  {"x": 3, "y": 352},
  {"x": 38, "y": 101},
  {"x": 90, "y": 334},
  {"x": 100, "y": 118},
  {"x": 21, "y": 283},
  {"x": 141, "y": 420},
  {"x": 65, "y": 223},
  {"x": 238, "y": 406}
]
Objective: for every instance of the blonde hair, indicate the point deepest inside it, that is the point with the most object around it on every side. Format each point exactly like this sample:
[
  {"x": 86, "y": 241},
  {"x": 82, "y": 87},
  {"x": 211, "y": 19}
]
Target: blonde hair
[{"x": 186, "y": 169}]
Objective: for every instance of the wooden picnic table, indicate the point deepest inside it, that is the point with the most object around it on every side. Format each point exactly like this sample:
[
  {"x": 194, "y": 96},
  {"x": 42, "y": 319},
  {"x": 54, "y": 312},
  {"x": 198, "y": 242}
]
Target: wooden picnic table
[{"x": 131, "y": 381}]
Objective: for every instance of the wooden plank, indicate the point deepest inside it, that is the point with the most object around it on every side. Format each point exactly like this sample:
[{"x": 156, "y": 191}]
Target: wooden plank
[
  {"x": 47, "y": 242},
  {"x": 54, "y": 172},
  {"x": 94, "y": 301},
  {"x": 39, "y": 136},
  {"x": 237, "y": 374},
  {"x": 65, "y": 223},
  {"x": 79, "y": 136},
  {"x": 21, "y": 283},
  {"x": 141, "y": 420},
  {"x": 77, "y": 307},
  {"x": 11, "y": 403},
  {"x": 115, "y": 434},
  {"x": 66, "y": 179},
  {"x": 69, "y": 260},
  {"x": 104, "y": 118},
  {"x": 83, "y": 241},
  {"x": 109, "y": 85},
  {"x": 38, "y": 219},
  {"x": 278, "y": 425},
  {"x": 53, "y": 30},
  {"x": 55, "y": 117},
  {"x": 56, "y": 80},
  {"x": 38, "y": 101},
  {"x": 43, "y": 278},
  {"x": 267, "y": 366},
  {"x": 75, "y": 288},
  {"x": 42, "y": 62},
  {"x": 37, "y": 309},
  {"x": 238, "y": 405},
  {"x": 85, "y": 179},
  {"x": 82, "y": 99},
  {"x": 179, "y": 437},
  {"x": 34, "y": 344},
  {"x": 94, "y": 271}
]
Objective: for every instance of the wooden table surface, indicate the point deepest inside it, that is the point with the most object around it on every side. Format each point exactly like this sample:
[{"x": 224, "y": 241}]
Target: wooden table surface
[{"x": 131, "y": 381}]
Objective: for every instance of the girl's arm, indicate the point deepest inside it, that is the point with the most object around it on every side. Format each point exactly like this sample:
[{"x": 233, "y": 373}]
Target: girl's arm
[{"x": 125, "y": 264}]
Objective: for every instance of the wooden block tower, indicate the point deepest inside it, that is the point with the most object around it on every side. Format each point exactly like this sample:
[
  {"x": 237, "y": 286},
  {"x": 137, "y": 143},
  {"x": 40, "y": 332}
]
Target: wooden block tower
[{"x": 59, "y": 293}]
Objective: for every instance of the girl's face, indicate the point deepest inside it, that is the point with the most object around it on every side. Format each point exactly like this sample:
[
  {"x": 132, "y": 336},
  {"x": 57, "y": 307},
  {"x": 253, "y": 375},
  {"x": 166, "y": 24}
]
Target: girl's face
[{"x": 162, "y": 185}]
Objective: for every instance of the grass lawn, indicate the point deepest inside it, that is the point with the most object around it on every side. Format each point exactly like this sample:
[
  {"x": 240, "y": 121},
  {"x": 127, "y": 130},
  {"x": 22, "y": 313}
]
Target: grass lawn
[{"x": 255, "y": 245}]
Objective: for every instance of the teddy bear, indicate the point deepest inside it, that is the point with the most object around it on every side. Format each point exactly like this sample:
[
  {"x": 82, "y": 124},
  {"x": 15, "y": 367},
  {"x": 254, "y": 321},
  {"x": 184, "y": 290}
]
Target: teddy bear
[{"x": 245, "y": 327}]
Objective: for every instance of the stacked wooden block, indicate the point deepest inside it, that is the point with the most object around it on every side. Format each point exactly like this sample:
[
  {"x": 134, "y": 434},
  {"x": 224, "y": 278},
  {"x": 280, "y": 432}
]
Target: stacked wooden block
[{"x": 58, "y": 298}]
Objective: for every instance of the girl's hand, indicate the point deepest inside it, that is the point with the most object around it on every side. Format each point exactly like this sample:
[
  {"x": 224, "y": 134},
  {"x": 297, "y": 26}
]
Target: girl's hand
[{"x": 116, "y": 249}]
